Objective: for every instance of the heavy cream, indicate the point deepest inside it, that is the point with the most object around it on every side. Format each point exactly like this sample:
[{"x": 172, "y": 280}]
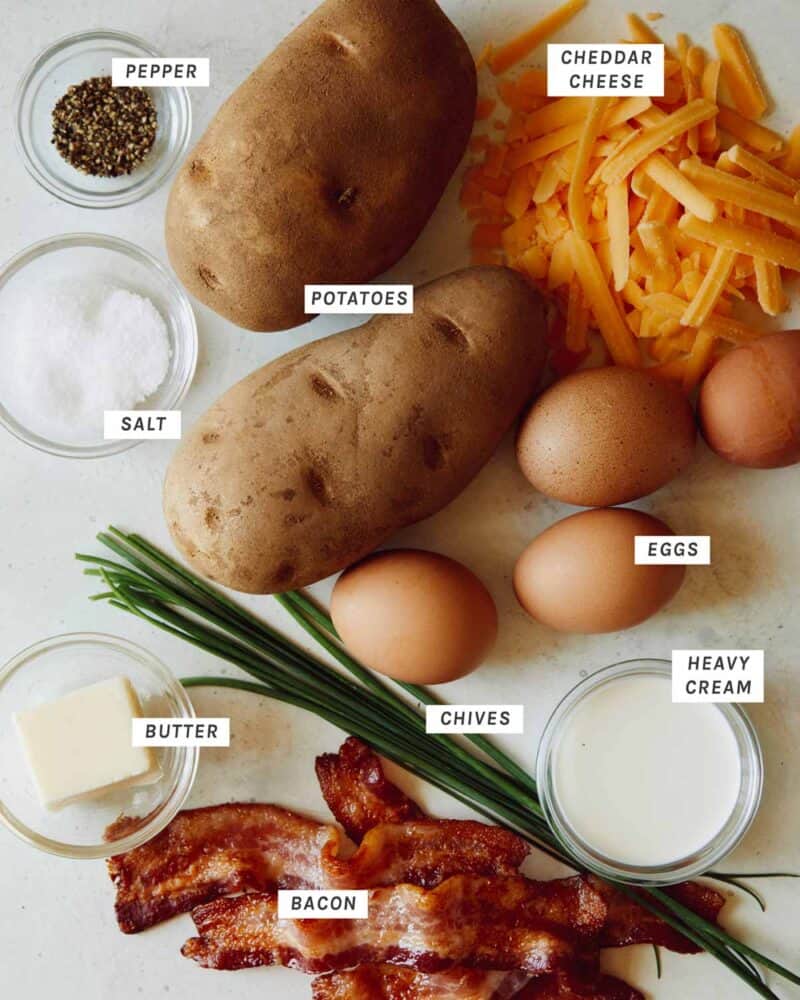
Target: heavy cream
[{"x": 641, "y": 780}]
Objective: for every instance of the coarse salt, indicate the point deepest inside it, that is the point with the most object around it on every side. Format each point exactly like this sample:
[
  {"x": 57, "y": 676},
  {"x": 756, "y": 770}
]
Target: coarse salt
[{"x": 78, "y": 347}]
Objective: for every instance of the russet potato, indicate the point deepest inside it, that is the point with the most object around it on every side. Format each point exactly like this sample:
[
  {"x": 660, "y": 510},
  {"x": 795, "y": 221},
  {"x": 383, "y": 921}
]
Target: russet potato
[
  {"x": 326, "y": 163},
  {"x": 314, "y": 460}
]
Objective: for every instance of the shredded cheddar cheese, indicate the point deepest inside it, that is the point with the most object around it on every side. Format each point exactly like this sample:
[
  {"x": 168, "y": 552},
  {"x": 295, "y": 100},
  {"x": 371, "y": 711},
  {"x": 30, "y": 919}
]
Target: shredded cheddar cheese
[
  {"x": 651, "y": 139},
  {"x": 763, "y": 171},
  {"x": 740, "y": 75},
  {"x": 664, "y": 173},
  {"x": 704, "y": 298},
  {"x": 646, "y": 220},
  {"x": 521, "y": 46},
  {"x": 577, "y": 206},
  {"x": 750, "y": 133}
]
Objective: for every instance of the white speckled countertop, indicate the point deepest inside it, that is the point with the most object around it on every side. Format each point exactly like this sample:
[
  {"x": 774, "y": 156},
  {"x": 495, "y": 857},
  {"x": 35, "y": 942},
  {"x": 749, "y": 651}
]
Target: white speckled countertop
[{"x": 58, "y": 937}]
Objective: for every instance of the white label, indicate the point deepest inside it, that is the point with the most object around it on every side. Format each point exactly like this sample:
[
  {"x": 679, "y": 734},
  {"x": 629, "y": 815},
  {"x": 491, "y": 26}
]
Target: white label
[
  {"x": 714, "y": 675},
  {"x": 343, "y": 300},
  {"x": 142, "y": 424},
  {"x": 323, "y": 904},
  {"x": 181, "y": 732},
  {"x": 673, "y": 550},
  {"x": 152, "y": 72},
  {"x": 474, "y": 719},
  {"x": 605, "y": 70}
]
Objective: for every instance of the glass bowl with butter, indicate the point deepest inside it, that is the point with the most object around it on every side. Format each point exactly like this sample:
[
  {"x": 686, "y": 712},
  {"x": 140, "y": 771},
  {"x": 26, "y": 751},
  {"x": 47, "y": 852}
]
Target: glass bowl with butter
[{"x": 71, "y": 781}]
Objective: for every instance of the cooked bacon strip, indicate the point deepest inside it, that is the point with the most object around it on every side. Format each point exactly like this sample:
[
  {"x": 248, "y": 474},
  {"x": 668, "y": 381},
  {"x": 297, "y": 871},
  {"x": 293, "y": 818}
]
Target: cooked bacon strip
[
  {"x": 500, "y": 923},
  {"x": 355, "y": 788},
  {"x": 221, "y": 850},
  {"x": 629, "y": 923},
  {"x": 210, "y": 852},
  {"x": 424, "y": 852},
  {"x": 389, "y": 982},
  {"x": 701, "y": 899},
  {"x": 357, "y": 791},
  {"x": 575, "y": 984}
]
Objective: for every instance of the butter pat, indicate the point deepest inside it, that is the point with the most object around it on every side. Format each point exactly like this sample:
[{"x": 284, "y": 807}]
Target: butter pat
[{"x": 80, "y": 746}]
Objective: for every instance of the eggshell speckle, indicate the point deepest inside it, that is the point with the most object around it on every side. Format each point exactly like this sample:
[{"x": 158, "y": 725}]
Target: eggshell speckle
[
  {"x": 750, "y": 403},
  {"x": 606, "y": 436},
  {"x": 579, "y": 575},
  {"x": 416, "y": 616}
]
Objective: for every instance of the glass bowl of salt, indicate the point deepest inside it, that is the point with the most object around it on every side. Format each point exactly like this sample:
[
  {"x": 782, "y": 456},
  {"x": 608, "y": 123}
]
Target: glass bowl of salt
[{"x": 89, "y": 324}]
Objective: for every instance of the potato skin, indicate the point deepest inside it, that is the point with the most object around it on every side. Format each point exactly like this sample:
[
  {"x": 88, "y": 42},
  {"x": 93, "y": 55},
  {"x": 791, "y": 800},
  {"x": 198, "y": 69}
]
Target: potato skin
[
  {"x": 326, "y": 163},
  {"x": 316, "y": 459}
]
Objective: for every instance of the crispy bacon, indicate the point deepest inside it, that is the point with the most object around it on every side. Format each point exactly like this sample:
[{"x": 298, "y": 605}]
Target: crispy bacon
[
  {"x": 485, "y": 923},
  {"x": 578, "y": 983},
  {"x": 629, "y": 923},
  {"x": 439, "y": 940},
  {"x": 387, "y": 982},
  {"x": 355, "y": 788},
  {"x": 210, "y": 852},
  {"x": 357, "y": 791},
  {"x": 701, "y": 899},
  {"x": 424, "y": 852},
  {"x": 221, "y": 850},
  {"x": 391, "y": 982}
]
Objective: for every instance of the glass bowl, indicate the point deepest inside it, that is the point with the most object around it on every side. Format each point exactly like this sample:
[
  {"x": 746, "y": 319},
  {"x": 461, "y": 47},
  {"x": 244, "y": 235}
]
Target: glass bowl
[
  {"x": 72, "y": 60},
  {"x": 126, "y": 266},
  {"x": 51, "y": 669},
  {"x": 681, "y": 869}
]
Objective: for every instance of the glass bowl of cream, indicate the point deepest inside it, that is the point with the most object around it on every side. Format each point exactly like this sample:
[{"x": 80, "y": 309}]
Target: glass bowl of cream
[
  {"x": 89, "y": 324},
  {"x": 105, "y": 821},
  {"x": 640, "y": 789}
]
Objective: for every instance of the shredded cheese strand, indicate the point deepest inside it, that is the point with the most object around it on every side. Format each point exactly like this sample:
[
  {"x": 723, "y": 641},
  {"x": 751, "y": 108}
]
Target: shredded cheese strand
[
  {"x": 521, "y": 46},
  {"x": 667, "y": 176},
  {"x": 651, "y": 140},
  {"x": 711, "y": 289},
  {"x": 619, "y": 232},
  {"x": 739, "y": 191},
  {"x": 615, "y": 332},
  {"x": 576, "y": 198},
  {"x": 740, "y": 75},
  {"x": 765, "y": 172}
]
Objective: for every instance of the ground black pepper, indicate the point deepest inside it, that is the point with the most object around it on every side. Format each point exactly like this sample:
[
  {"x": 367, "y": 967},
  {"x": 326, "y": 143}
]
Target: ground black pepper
[{"x": 103, "y": 130}]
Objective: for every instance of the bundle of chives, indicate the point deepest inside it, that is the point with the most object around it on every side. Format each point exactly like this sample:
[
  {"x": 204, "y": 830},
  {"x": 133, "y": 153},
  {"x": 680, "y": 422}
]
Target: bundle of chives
[{"x": 154, "y": 587}]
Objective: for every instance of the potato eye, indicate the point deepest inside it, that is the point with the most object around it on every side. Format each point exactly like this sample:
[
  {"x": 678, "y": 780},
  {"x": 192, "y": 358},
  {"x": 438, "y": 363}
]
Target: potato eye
[
  {"x": 338, "y": 44},
  {"x": 347, "y": 197},
  {"x": 322, "y": 387},
  {"x": 207, "y": 276},
  {"x": 448, "y": 329}
]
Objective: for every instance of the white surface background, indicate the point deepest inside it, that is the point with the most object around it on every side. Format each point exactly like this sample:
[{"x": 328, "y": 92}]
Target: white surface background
[{"x": 57, "y": 931}]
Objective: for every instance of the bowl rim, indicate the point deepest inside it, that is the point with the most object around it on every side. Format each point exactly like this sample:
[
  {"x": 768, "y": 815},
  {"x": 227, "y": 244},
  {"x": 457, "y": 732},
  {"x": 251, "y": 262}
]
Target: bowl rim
[
  {"x": 116, "y": 199},
  {"x": 171, "y": 805},
  {"x": 681, "y": 869},
  {"x": 188, "y": 324}
]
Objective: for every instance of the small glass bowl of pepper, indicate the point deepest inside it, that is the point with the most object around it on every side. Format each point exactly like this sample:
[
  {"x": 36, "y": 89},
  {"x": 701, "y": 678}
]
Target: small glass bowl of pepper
[{"x": 88, "y": 143}]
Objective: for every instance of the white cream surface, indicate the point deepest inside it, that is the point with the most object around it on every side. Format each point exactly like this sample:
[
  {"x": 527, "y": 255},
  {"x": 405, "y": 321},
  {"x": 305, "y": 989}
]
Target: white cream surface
[{"x": 642, "y": 780}]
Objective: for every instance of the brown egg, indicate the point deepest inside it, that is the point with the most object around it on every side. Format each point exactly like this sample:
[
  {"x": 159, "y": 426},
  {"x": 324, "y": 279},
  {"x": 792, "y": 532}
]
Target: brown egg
[
  {"x": 579, "y": 575},
  {"x": 416, "y": 616},
  {"x": 606, "y": 436},
  {"x": 750, "y": 403}
]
